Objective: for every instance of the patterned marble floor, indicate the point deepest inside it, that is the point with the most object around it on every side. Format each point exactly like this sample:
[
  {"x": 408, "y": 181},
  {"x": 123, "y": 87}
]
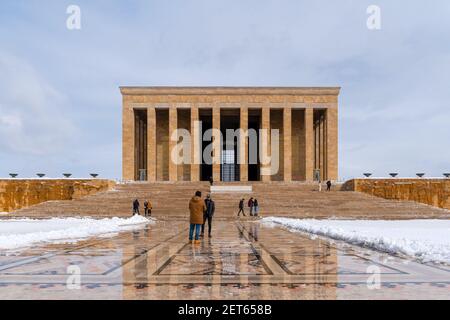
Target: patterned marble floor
[{"x": 243, "y": 260}]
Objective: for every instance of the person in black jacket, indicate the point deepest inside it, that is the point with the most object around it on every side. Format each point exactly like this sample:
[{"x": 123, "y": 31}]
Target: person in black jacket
[
  {"x": 135, "y": 206},
  {"x": 241, "y": 207},
  {"x": 208, "y": 215}
]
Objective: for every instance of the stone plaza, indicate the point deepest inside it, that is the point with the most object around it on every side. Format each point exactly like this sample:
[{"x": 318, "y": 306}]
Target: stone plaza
[{"x": 245, "y": 260}]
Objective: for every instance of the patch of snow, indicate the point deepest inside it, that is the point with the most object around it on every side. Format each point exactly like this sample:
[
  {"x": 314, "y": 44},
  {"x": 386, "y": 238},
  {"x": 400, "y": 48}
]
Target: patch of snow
[
  {"x": 20, "y": 233},
  {"x": 426, "y": 240}
]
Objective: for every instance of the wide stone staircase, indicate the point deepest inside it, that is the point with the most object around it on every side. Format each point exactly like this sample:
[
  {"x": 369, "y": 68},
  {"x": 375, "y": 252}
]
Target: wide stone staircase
[{"x": 170, "y": 200}]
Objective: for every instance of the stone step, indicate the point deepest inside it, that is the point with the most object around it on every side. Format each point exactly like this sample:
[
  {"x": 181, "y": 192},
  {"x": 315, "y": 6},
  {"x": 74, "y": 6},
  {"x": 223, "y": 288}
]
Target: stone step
[{"x": 276, "y": 198}]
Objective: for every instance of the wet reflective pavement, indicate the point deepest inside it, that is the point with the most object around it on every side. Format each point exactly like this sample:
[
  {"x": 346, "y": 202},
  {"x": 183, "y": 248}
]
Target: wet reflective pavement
[{"x": 243, "y": 260}]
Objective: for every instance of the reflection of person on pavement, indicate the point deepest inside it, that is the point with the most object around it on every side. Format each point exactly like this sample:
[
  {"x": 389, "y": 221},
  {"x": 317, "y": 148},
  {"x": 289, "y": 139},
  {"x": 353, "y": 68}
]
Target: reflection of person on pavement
[{"x": 254, "y": 231}]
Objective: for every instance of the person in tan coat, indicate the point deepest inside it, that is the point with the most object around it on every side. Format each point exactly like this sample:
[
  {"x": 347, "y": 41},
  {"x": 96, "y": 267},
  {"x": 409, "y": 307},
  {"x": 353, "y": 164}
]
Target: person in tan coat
[{"x": 196, "y": 208}]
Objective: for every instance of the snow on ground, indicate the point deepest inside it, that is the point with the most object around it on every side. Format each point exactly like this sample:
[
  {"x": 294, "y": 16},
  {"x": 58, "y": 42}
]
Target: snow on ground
[
  {"x": 20, "y": 233},
  {"x": 426, "y": 240}
]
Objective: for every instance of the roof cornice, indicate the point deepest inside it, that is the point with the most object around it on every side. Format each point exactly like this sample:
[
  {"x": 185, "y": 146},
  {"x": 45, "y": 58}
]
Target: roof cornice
[{"x": 163, "y": 90}]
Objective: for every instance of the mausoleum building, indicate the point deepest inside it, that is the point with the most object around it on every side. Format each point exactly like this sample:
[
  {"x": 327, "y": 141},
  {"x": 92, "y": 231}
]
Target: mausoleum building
[{"x": 279, "y": 133}]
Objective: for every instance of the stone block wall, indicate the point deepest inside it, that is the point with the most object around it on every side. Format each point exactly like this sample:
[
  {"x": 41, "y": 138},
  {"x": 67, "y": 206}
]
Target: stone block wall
[
  {"x": 434, "y": 192},
  {"x": 19, "y": 193}
]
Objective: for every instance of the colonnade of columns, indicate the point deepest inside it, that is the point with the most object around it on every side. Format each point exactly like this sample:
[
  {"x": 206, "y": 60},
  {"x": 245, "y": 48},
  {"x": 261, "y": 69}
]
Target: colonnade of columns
[{"x": 319, "y": 140}]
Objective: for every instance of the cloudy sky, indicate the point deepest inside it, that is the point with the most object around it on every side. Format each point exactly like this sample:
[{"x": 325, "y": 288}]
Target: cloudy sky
[{"x": 60, "y": 103}]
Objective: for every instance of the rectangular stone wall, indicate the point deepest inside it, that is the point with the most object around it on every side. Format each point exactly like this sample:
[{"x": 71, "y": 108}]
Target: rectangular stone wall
[
  {"x": 20, "y": 193},
  {"x": 434, "y": 192}
]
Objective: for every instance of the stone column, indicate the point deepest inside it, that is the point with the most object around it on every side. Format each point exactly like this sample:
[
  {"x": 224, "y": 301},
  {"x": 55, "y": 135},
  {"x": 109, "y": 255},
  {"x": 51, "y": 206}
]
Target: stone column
[
  {"x": 128, "y": 161},
  {"x": 287, "y": 137},
  {"x": 151, "y": 144},
  {"x": 332, "y": 143},
  {"x": 195, "y": 145},
  {"x": 243, "y": 144},
  {"x": 265, "y": 145},
  {"x": 309, "y": 144},
  {"x": 322, "y": 147},
  {"x": 216, "y": 143},
  {"x": 173, "y": 125}
]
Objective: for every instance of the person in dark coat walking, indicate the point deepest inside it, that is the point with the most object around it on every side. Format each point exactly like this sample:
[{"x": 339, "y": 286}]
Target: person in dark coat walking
[
  {"x": 208, "y": 215},
  {"x": 241, "y": 207},
  {"x": 328, "y": 185},
  {"x": 135, "y": 206}
]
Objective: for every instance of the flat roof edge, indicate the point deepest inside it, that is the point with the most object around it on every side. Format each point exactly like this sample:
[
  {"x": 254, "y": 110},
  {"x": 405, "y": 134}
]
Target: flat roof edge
[{"x": 229, "y": 90}]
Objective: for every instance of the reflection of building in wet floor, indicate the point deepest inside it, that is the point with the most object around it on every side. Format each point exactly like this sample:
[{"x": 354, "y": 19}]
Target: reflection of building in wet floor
[
  {"x": 159, "y": 263},
  {"x": 234, "y": 264}
]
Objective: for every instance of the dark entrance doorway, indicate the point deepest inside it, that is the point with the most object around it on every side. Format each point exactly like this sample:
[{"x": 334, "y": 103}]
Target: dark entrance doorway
[
  {"x": 254, "y": 124},
  {"x": 205, "y": 116},
  {"x": 140, "y": 147},
  {"x": 229, "y": 168}
]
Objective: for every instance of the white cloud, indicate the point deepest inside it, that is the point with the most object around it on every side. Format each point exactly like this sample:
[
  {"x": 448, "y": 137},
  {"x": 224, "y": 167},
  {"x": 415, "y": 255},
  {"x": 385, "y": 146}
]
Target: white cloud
[{"x": 32, "y": 119}]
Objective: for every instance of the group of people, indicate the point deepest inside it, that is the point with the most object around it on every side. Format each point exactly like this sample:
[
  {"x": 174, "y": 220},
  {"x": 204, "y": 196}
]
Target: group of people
[
  {"x": 147, "y": 207},
  {"x": 201, "y": 211},
  {"x": 252, "y": 205}
]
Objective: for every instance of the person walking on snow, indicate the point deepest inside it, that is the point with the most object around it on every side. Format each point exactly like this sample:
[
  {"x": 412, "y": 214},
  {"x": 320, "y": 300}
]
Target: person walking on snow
[
  {"x": 196, "y": 209},
  {"x": 208, "y": 215}
]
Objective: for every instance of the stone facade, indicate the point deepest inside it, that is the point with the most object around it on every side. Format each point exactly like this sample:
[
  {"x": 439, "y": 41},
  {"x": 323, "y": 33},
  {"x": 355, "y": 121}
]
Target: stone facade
[
  {"x": 20, "y": 193},
  {"x": 307, "y": 120},
  {"x": 434, "y": 192}
]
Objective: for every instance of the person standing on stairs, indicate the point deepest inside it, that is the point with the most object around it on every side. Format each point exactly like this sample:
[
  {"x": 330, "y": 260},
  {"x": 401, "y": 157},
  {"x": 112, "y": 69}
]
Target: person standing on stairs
[
  {"x": 135, "y": 206},
  {"x": 196, "y": 209},
  {"x": 208, "y": 215},
  {"x": 328, "y": 185},
  {"x": 241, "y": 207}
]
